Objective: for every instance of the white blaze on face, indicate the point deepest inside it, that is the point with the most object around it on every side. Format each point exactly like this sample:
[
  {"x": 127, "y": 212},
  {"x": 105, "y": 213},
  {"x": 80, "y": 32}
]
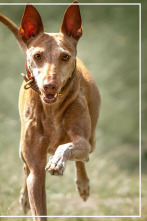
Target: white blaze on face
[{"x": 49, "y": 70}]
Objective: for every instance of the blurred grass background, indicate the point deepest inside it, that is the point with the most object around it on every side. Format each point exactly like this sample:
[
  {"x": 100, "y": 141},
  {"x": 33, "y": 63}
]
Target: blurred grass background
[{"x": 109, "y": 48}]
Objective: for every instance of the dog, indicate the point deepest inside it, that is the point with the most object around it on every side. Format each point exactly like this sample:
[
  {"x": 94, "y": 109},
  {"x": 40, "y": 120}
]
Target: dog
[{"x": 58, "y": 104}]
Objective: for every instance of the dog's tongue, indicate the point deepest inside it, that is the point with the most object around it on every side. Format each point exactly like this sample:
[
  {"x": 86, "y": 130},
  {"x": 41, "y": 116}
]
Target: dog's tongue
[{"x": 50, "y": 96}]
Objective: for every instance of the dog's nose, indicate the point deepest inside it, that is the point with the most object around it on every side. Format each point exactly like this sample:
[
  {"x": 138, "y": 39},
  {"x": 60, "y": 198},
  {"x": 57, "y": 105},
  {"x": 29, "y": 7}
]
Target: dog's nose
[{"x": 50, "y": 87}]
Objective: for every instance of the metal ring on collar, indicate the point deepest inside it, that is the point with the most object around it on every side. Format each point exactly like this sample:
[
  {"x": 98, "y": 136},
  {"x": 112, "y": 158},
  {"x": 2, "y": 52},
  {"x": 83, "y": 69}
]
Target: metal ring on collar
[{"x": 27, "y": 85}]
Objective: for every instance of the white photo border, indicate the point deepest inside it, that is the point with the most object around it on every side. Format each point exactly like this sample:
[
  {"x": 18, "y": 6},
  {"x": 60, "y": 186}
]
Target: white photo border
[{"x": 110, "y": 4}]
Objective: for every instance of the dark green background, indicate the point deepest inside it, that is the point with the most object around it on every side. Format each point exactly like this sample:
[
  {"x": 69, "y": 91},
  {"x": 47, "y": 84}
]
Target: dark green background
[{"x": 109, "y": 48}]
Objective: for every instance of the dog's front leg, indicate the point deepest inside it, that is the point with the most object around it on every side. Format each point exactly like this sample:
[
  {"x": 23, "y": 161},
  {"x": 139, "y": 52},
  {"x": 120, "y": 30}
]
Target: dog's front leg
[
  {"x": 77, "y": 124},
  {"x": 37, "y": 197},
  {"x": 34, "y": 151},
  {"x": 78, "y": 151}
]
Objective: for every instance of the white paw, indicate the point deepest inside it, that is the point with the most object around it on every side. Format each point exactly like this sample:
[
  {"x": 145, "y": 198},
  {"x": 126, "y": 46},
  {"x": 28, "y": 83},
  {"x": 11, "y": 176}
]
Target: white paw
[
  {"x": 84, "y": 189},
  {"x": 56, "y": 165},
  {"x": 24, "y": 201}
]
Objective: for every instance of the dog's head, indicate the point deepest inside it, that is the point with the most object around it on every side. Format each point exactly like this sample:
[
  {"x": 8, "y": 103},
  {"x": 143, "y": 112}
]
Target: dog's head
[{"x": 51, "y": 57}]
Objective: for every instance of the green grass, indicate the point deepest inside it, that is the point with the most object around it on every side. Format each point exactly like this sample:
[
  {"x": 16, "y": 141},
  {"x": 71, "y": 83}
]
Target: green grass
[{"x": 109, "y": 48}]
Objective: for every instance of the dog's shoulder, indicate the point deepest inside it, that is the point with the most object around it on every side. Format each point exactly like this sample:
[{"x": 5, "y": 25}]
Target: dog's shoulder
[
  {"x": 87, "y": 84},
  {"x": 84, "y": 73}
]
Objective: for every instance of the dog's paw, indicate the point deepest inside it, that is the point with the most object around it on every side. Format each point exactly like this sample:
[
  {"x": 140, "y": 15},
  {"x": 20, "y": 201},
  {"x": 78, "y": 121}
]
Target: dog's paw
[
  {"x": 56, "y": 165},
  {"x": 24, "y": 201},
  {"x": 83, "y": 188}
]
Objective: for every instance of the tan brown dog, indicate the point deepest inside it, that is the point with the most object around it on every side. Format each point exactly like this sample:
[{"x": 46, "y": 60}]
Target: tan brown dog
[{"x": 59, "y": 112}]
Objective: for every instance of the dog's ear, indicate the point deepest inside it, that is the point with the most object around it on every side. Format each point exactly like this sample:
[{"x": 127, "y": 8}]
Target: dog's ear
[
  {"x": 71, "y": 24},
  {"x": 31, "y": 24}
]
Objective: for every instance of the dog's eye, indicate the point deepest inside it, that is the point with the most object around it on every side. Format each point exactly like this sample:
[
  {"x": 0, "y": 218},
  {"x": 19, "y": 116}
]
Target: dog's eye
[
  {"x": 65, "y": 57},
  {"x": 37, "y": 56}
]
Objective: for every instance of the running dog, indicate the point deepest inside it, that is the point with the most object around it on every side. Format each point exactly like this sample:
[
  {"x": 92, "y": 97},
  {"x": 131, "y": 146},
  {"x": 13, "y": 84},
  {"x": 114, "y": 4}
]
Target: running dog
[{"x": 58, "y": 104}]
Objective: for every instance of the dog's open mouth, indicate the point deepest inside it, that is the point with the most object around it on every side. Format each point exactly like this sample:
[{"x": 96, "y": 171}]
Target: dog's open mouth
[{"x": 49, "y": 98}]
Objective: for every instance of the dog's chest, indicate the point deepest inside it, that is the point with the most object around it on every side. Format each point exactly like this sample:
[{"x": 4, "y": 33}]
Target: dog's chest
[{"x": 55, "y": 134}]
